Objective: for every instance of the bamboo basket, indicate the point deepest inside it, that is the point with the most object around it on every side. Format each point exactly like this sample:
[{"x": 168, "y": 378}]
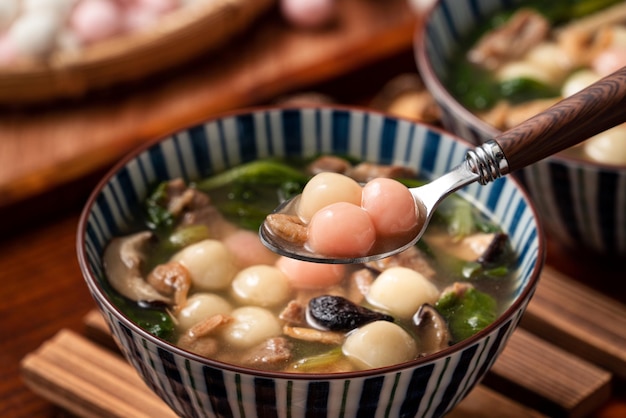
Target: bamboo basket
[{"x": 177, "y": 37}]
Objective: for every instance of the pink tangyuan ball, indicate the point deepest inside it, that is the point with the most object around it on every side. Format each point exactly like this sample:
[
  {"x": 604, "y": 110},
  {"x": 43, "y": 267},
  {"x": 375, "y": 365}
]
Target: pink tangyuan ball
[
  {"x": 341, "y": 230},
  {"x": 96, "y": 20},
  {"x": 309, "y": 14},
  {"x": 8, "y": 52},
  {"x": 390, "y": 205},
  {"x": 609, "y": 61},
  {"x": 309, "y": 275}
]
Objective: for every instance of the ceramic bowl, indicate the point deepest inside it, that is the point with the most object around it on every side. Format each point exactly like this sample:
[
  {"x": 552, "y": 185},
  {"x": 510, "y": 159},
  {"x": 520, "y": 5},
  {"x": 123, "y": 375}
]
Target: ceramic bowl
[
  {"x": 194, "y": 386},
  {"x": 583, "y": 203}
]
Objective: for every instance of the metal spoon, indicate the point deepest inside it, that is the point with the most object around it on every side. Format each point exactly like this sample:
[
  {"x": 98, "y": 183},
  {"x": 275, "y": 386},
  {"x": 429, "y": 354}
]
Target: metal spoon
[{"x": 595, "y": 109}]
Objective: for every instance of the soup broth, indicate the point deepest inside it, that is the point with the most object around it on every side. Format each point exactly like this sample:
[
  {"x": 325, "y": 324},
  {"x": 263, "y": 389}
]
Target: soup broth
[{"x": 202, "y": 279}]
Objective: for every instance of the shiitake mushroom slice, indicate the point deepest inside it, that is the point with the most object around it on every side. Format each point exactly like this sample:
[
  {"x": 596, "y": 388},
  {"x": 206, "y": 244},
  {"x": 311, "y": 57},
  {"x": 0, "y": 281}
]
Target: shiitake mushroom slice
[{"x": 336, "y": 313}]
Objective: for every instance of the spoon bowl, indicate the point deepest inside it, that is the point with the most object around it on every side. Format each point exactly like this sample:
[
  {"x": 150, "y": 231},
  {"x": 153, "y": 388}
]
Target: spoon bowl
[{"x": 572, "y": 120}]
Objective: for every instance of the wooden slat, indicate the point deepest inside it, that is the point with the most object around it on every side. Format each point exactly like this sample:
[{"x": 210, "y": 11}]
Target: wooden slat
[
  {"x": 586, "y": 322},
  {"x": 548, "y": 378},
  {"x": 89, "y": 380},
  {"x": 483, "y": 402},
  {"x": 97, "y": 330}
]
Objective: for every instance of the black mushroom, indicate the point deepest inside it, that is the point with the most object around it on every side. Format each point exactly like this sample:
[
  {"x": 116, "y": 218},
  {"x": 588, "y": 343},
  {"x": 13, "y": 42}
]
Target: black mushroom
[
  {"x": 336, "y": 313},
  {"x": 123, "y": 259},
  {"x": 432, "y": 330},
  {"x": 494, "y": 249}
]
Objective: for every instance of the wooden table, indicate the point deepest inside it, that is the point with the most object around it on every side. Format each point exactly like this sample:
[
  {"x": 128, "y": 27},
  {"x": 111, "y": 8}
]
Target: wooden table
[{"x": 41, "y": 288}]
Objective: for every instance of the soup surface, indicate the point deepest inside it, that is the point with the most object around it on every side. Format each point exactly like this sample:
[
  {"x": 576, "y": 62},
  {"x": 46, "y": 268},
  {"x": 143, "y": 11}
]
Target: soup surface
[
  {"x": 522, "y": 61},
  {"x": 194, "y": 272}
]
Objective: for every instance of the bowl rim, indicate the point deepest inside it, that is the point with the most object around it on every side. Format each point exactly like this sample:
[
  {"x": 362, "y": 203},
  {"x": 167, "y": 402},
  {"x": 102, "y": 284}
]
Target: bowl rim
[
  {"x": 440, "y": 92},
  {"x": 97, "y": 292}
]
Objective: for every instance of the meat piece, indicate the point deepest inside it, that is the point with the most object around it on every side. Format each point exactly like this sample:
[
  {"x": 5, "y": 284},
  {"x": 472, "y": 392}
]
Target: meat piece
[
  {"x": 294, "y": 313},
  {"x": 205, "y": 346},
  {"x": 584, "y": 37},
  {"x": 314, "y": 335},
  {"x": 418, "y": 105},
  {"x": 458, "y": 288},
  {"x": 412, "y": 258},
  {"x": 497, "y": 115},
  {"x": 210, "y": 216},
  {"x": 288, "y": 227},
  {"x": 181, "y": 197},
  {"x": 582, "y": 47},
  {"x": 469, "y": 247},
  {"x": 365, "y": 172},
  {"x": 171, "y": 279},
  {"x": 359, "y": 283},
  {"x": 406, "y": 96},
  {"x": 328, "y": 163},
  {"x": 274, "y": 353},
  {"x": 198, "y": 338},
  {"x": 194, "y": 207},
  {"x": 523, "y": 111},
  {"x": 525, "y": 29},
  {"x": 208, "y": 326}
]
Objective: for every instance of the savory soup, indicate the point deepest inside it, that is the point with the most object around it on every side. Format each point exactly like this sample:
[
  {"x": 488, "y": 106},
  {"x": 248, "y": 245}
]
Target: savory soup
[
  {"x": 524, "y": 60},
  {"x": 194, "y": 272}
]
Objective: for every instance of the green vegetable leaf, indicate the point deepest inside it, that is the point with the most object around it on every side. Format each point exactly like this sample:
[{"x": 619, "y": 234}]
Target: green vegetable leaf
[
  {"x": 467, "y": 312},
  {"x": 522, "y": 89},
  {"x": 154, "y": 320},
  {"x": 261, "y": 172},
  {"x": 318, "y": 362},
  {"x": 188, "y": 235},
  {"x": 156, "y": 210}
]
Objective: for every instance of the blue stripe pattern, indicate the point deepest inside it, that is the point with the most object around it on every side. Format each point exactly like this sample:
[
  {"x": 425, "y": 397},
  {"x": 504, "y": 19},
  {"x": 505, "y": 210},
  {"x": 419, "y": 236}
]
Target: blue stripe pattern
[{"x": 195, "y": 387}]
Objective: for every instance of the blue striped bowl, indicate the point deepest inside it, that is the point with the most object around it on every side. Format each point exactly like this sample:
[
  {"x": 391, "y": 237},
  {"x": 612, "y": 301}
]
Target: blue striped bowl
[
  {"x": 194, "y": 386},
  {"x": 583, "y": 203}
]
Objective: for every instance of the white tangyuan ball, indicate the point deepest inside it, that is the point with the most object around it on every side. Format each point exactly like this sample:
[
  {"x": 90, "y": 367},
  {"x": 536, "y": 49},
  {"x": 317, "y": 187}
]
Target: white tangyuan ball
[
  {"x": 325, "y": 189},
  {"x": 251, "y": 325},
  {"x": 552, "y": 59},
  {"x": 60, "y": 7},
  {"x": 261, "y": 285},
  {"x": 35, "y": 34},
  {"x": 578, "y": 81},
  {"x": 379, "y": 344},
  {"x": 201, "y": 306},
  {"x": 9, "y": 9},
  {"x": 210, "y": 264},
  {"x": 608, "y": 147},
  {"x": 401, "y": 291},
  {"x": 524, "y": 69}
]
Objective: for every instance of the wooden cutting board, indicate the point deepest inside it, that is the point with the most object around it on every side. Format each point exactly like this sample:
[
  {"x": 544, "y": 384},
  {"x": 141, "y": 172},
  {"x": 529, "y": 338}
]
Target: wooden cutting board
[{"x": 50, "y": 144}]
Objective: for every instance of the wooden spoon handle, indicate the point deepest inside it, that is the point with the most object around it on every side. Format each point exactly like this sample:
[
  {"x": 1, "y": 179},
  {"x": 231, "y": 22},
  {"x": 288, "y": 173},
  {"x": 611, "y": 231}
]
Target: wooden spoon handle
[{"x": 572, "y": 120}]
